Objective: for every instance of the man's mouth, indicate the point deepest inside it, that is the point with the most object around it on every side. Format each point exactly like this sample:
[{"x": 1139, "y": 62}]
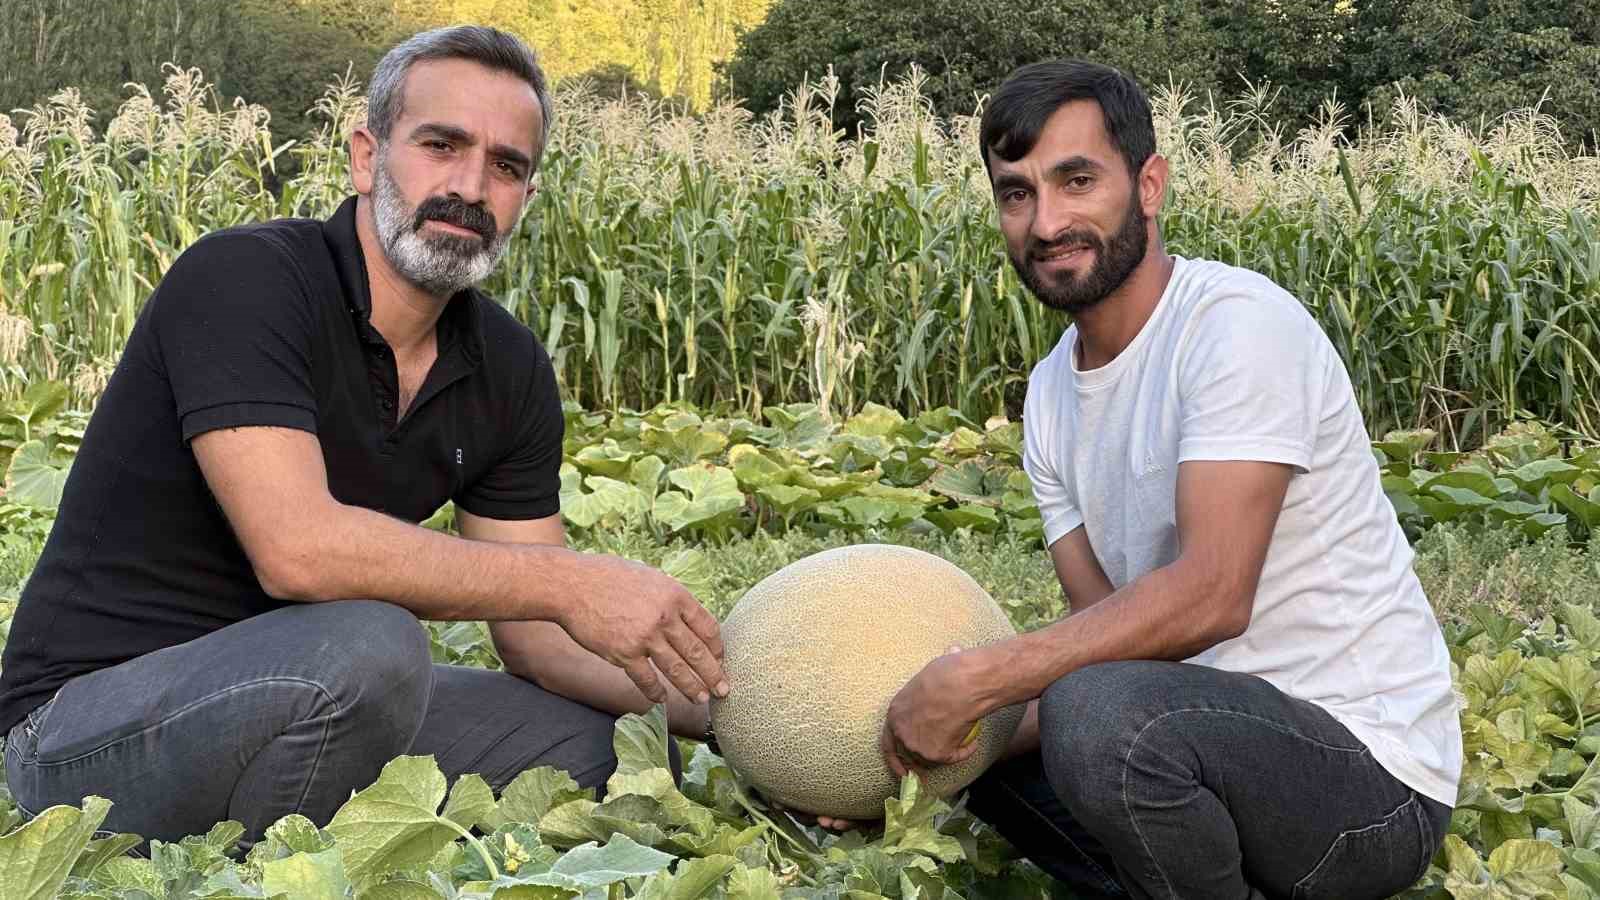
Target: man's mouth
[
  {"x": 452, "y": 228},
  {"x": 1062, "y": 256}
]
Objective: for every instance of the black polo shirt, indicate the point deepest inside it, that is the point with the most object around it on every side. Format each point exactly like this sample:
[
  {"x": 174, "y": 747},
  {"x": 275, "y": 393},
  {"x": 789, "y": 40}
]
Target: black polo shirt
[{"x": 267, "y": 324}]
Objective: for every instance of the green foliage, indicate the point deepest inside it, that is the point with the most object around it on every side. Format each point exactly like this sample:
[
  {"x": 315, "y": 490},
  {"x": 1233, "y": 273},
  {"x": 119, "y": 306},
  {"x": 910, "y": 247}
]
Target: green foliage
[
  {"x": 277, "y": 53},
  {"x": 667, "y": 46},
  {"x": 964, "y": 55},
  {"x": 1472, "y": 61},
  {"x": 1458, "y": 58},
  {"x": 652, "y": 838},
  {"x": 714, "y": 261}
]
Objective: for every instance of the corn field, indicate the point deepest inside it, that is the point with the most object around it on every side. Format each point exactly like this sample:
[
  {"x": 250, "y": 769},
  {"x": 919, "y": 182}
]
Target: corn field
[{"x": 732, "y": 263}]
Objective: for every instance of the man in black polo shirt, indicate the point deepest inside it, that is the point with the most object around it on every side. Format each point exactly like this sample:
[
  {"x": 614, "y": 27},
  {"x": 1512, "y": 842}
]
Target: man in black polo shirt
[{"x": 223, "y": 624}]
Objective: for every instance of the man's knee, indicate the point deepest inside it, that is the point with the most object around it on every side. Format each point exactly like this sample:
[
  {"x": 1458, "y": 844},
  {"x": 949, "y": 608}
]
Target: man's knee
[
  {"x": 373, "y": 661},
  {"x": 1089, "y": 723}
]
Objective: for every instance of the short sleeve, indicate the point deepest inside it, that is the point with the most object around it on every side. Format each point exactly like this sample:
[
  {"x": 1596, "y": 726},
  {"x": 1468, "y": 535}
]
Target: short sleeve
[
  {"x": 526, "y": 482},
  {"x": 233, "y": 324},
  {"x": 1043, "y": 459},
  {"x": 1250, "y": 381}
]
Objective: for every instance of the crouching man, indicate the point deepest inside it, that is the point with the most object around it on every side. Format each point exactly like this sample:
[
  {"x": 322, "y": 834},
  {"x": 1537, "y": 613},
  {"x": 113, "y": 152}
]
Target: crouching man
[
  {"x": 1250, "y": 696},
  {"x": 224, "y": 621}
]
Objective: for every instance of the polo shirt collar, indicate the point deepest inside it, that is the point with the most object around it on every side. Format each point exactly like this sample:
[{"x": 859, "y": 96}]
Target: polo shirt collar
[{"x": 461, "y": 322}]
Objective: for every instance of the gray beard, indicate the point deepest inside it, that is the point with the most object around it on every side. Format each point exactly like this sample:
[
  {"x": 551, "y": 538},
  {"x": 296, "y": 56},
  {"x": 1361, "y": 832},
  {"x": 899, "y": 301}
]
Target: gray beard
[{"x": 442, "y": 265}]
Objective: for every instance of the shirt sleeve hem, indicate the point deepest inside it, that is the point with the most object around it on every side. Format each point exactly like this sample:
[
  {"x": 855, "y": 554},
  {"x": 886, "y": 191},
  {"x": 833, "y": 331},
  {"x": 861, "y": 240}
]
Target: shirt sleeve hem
[
  {"x": 1060, "y": 524},
  {"x": 1254, "y": 449},
  {"x": 238, "y": 415},
  {"x": 510, "y": 510}
]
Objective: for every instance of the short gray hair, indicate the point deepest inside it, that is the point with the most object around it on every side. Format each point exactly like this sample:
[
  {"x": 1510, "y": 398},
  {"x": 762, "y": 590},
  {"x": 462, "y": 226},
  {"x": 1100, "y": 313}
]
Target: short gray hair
[{"x": 486, "y": 46}]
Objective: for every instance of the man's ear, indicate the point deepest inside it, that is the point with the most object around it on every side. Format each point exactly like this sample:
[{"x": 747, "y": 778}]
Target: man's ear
[
  {"x": 1153, "y": 184},
  {"x": 363, "y": 159}
]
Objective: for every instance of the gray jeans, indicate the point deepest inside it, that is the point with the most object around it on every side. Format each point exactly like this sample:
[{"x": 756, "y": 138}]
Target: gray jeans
[
  {"x": 1171, "y": 780},
  {"x": 288, "y": 712}
]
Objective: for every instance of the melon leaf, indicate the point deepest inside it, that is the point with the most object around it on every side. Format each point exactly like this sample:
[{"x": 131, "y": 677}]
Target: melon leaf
[
  {"x": 533, "y": 793},
  {"x": 641, "y": 741}
]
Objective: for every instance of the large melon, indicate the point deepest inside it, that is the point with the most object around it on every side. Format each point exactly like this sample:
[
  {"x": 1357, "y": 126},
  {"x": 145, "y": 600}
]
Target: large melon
[{"x": 817, "y": 650}]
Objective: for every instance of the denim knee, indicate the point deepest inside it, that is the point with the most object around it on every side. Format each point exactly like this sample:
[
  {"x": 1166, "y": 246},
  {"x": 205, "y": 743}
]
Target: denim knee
[
  {"x": 377, "y": 663},
  {"x": 1088, "y": 722}
]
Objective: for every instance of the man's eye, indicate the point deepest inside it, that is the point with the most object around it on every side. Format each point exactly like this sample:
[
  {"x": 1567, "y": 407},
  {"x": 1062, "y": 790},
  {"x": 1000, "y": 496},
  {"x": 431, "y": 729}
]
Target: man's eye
[{"x": 439, "y": 145}]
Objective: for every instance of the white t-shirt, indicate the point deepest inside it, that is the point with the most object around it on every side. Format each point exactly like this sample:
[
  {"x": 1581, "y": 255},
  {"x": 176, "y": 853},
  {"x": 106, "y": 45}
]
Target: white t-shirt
[{"x": 1231, "y": 366}]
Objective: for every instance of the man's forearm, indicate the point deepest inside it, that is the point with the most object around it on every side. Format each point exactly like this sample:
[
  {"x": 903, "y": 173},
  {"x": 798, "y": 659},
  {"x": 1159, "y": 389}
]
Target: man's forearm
[
  {"x": 349, "y": 552},
  {"x": 1164, "y": 615}
]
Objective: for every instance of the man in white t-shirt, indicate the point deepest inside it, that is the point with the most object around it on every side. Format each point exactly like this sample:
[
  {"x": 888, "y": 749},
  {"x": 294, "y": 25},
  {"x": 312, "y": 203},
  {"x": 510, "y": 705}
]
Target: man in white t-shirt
[{"x": 1251, "y": 696}]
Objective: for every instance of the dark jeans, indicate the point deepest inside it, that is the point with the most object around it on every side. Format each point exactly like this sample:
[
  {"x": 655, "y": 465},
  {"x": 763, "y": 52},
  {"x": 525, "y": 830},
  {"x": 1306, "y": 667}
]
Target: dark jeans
[
  {"x": 288, "y": 712},
  {"x": 1172, "y": 780}
]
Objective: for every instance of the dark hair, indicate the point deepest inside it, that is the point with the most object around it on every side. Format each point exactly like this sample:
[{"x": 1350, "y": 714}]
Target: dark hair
[
  {"x": 488, "y": 47},
  {"x": 1031, "y": 94}
]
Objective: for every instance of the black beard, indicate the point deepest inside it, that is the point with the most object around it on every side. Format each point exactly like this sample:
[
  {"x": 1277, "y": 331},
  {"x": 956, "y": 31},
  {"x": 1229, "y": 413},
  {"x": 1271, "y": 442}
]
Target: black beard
[{"x": 1113, "y": 263}]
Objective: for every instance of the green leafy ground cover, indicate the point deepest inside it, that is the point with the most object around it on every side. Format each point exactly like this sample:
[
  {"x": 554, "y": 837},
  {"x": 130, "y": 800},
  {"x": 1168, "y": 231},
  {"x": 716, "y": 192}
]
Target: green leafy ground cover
[{"x": 722, "y": 501}]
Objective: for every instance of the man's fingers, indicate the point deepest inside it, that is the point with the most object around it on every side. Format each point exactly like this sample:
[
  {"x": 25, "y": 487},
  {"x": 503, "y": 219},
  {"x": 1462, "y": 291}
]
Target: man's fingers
[
  {"x": 694, "y": 651},
  {"x": 962, "y": 754},
  {"x": 704, "y": 624},
  {"x": 891, "y": 752},
  {"x": 644, "y": 675},
  {"x": 671, "y": 664}
]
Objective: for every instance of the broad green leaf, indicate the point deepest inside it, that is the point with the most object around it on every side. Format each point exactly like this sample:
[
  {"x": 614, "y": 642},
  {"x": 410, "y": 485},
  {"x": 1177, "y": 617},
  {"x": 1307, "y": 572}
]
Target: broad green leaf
[
  {"x": 961, "y": 443},
  {"x": 1536, "y": 526},
  {"x": 571, "y": 823},
  {"x": 1405, "y": 444},
  {"x": 1535, "y": 475},
  {"x": 746, "y": 883},
  {"x": 101, "y": 850},
  {"x": 645, "y": 476},
  {"x": 907, "y": 467},
  {"x": 605, "y": 501},
  {"x": 1528, "y": 867},
  {"x": 832, "y": 487},
  {"x": 1581, "y": 821},
  {"x": 289, "y": 835},
  {"x": 873, "y": 419},
  {"x": 754, "y": 469},
  {"x": 504, "y": 889},
  {"x": 684, "y": 438},
  {"x": 400, "y": 890},
  {"x": 909, "y": 823},
  {"x": 1582, "y": 624},
  {"x": 607, "y": 458},
  {"x": 393, "y": 822},
  {"x": 1585, "y": 510},
  {"x": 1583, "y": 864},
  {"x": 789, "y": 499},
  {"x": 867, "y": 512},
  {"x": 1463, "y": 497},
  {"x": 692, "y": 568},
  {"x": 307, "y": 876},
  {"x": 590, "y": 865},
  {"x": 965, "y": 483},
  {"x": 1495, "y": 828},
  {"x": 36, "y": 858},
  {"x": 691, "y": 880},
  {"x": 471, "y": 803},
  {"x": 1461, "y": 859},
  {"x": 978, "y": 518},
  {"x": 35, "y": 478},
  {"x": 640, "y": 741}
]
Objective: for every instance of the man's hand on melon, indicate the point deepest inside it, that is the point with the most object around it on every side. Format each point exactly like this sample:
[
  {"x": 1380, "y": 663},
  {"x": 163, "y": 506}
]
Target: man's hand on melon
[
  {"x": 931, "y": 721},
  {"x": 636, "y": 615}
]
